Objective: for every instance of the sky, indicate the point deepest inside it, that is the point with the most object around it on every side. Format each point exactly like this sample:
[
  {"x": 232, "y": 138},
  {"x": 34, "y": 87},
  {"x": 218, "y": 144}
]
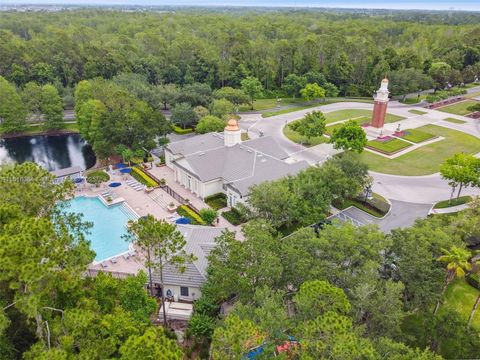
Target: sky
[{"x": 378, "y": 4}]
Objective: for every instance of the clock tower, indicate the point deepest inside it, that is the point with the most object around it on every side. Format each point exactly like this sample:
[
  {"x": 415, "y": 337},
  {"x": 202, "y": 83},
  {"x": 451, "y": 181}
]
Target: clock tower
[{"x": 380, "y": 106}]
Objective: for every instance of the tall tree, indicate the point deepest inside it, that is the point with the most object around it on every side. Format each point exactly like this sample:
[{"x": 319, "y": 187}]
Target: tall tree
[
  {"x": 12, "y": 109},
  {"x": 311, "y": 125},
  {"x": 163, "y": 245},
  {"x": 349, "y": 137},
  {"x": 461, "y": 170},
  {"x": 440, "y": 73},
  {"x": 253, "y": 88},
  {"x": 52, "y": 107},
  {"x": 312, "y": 91},
  {"x": 457, "y": 260},
  {"x": 183, "y": 115}
]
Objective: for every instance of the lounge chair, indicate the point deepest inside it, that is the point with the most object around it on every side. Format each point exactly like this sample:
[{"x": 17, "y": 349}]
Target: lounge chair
[
  {"x": 113, "y": 260},
  {"x": 104, "y": 265},
  {"x": 126, "y": 256}
]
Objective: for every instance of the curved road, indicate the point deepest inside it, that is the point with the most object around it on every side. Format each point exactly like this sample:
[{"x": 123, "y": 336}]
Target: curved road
[{"x": 410, "y": 189}]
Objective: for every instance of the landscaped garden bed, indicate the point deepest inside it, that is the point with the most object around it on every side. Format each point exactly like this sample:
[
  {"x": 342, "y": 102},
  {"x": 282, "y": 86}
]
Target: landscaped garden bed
[
  {"x": 453, "y": 202},
  {"x": 189, "y": 213},
  {"x": 414, "y": 135},
  {"x": 299, "y": 139},
  {"x": 425, "y": 159},
  {"x": 216, "y": 201},
  {"x": 234, "y": 217},
  {"x": 376, "y": 205},
  {"x": 387, "y": 145},
  {"x": 142, "y": 177}
]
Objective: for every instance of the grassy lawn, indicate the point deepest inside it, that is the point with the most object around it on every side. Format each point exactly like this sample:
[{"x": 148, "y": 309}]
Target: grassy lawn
[
  {"x": 417, "y": 136},
  {"x": 454, "y": 202},
  {"x": 388, "y": 147},
  {"x": 417, "y": 112},
  {"x": 265, "y": 104},
  {"x": 459, "y": 108},
  {"x": 38, "y": 129},
  {"x": 354, "y": 113},
  {"x": 461, "y": 296},
  {"x": 299, "y": 139},
  {"x": 455, "y": 121},
  {"x": 359, "y": 121},
  {"x": 413, "y": 100},
  {"x": 426, "y": 159},
  {"x": 286, "y": 111},
  {"x": 473, "y": 95}
]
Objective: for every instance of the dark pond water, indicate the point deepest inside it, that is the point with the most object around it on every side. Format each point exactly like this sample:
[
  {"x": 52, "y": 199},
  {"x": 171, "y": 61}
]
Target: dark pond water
[{"x": 51, "y": 152}]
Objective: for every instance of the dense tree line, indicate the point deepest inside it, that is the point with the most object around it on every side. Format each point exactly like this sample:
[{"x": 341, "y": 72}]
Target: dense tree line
[
  {"x": 219, "y": 49},
  {"x": 344, "y": 292},
  {"x": 49, "y": 309}
]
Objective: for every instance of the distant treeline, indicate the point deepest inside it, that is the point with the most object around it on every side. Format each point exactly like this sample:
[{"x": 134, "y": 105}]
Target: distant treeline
[{"x": 353, "y": 50}]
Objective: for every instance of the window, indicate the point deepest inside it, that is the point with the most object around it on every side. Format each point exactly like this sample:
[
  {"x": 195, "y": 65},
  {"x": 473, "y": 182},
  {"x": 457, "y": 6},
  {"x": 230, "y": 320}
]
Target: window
[{"x": 183, "y": 291}]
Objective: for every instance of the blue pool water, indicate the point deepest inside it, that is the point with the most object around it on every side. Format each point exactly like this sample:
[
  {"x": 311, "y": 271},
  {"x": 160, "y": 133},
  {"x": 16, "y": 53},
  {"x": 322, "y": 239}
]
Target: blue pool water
[{"x": 109, "y": 225}]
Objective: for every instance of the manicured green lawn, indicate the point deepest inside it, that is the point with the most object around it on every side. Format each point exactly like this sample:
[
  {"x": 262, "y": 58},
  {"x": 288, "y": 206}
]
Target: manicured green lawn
[
  {"x": 354, "y": 113},
  {"x": 413, "y": 100},
  {"x": 388, "y": 147},
  {"x": 417, "y": 136},
  {"x": 417, "y": 112},
  {"x": 460, "y": 296},
  {"x": 455, "y": 121},
  {"x": 426, "y": 159},
  {"x": 286, "y": 111},
  {"x": 265, "y": 104},
  {"x": 359, "y": 121},
  {"x": 454, "y": 202},
  {"x": 299, "y": 139},
  {"x": 38, "y": 129},
  {"x": 459, "y": 108}
]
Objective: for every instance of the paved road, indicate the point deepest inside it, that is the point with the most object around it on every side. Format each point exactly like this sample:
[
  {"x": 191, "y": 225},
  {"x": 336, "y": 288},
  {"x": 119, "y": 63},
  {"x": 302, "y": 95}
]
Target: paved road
[{"x": 408, "y": 189}]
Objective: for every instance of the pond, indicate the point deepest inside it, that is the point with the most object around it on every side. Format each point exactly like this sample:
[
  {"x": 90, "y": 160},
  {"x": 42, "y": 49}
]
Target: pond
[{"x": 53, "y": 152}]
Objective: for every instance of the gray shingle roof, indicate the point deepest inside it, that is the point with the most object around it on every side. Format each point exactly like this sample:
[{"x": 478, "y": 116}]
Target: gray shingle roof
[
  {"x": 267, "y": 145},
  {"x": 195, "y": 144},
  {"x": 200, "y": 241}
]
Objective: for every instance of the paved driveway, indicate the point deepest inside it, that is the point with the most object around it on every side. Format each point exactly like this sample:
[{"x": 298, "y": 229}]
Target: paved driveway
[{"x": 402, "y": 214}]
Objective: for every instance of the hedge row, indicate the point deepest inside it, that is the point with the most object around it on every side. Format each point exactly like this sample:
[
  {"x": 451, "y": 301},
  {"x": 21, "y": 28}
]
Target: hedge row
[
  {"x": 442, "y": 95},
  {"x": 233, "y": 217},
  {"x": 178, "y": 130},
  {"x": 188, "y": 212},
  {"x": 473, "y": 280},
  {"x": 142, "y": 177}
]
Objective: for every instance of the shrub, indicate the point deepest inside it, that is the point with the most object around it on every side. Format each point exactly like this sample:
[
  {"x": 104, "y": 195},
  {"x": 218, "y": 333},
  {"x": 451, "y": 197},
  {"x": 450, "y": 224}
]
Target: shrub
[
  {"x": 208, "y": 215},
  {"x": 217, "y": 201},
  {"x": 97, "y": 176},
  {"x": 201, "y": 325},
  {"x": 180, "y": 131},
  {"x": 142, "y": 177},
  {"x": 188, "y": 212},
  {"x": 233, "y": 216}
]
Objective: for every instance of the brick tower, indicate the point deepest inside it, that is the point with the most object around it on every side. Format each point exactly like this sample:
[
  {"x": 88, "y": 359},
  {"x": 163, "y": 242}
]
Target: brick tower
[{"x": 380, "y": 107}]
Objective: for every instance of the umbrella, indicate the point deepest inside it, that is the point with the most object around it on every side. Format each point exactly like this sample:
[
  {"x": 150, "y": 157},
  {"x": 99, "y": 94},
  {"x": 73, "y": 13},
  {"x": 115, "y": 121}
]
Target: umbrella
[
  {"x": 120, "y": 165},
  {"x": 115, "y": 184},
  {"x": 182, "y": 220},
  {"x": 78, "y": 180},
  {"x": 126, "y": 170}
]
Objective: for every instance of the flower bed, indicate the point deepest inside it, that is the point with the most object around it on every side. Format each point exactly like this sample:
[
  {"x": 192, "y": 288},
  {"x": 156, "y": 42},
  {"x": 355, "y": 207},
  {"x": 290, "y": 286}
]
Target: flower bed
[
  {"x": 453, "y": 202},
  {"x": 388, "y": 145},
  {"x": 376, "y": 206},
  {"x": 233, "y": 217},
  {"x": 139, "y": 175},
  {"x": 188, "y": 212}
]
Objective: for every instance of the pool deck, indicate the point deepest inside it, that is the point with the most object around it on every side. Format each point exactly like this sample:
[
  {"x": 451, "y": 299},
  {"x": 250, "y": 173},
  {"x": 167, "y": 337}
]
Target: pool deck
[{"x": 154, "y": 203}]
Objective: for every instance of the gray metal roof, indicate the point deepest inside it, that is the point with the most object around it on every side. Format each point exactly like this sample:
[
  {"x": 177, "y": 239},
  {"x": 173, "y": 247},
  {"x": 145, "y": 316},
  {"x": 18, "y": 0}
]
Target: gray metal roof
[
  {"x": 67, "y": 171},
  {"x": 195, "y": 144},
  {"x": 200, "y": 241}
]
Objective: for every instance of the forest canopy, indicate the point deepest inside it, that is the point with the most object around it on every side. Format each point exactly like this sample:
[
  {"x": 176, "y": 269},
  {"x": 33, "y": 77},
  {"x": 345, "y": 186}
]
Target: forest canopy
[{"x": 352, "y": 51}]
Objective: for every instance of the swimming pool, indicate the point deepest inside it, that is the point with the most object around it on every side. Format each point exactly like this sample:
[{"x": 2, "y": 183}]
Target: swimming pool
[{"x": 109, "y": 225}]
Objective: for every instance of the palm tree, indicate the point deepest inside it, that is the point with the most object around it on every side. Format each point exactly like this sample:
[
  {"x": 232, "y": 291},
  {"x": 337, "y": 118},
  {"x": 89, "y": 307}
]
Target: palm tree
[
  {"x": 457, "y": 260},
  {"x": 475, "y": 260}
]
